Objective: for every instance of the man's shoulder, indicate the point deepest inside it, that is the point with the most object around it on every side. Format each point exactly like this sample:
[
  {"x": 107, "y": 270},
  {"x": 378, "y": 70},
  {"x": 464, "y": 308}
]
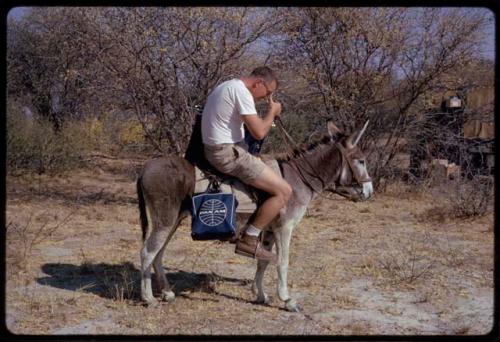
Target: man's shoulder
[
  {"x": 228, "y": 86},
  {"x": 238, "y": 87},
  {"x": 233, "y": 84},
  {"x": 233, "y": 88}
]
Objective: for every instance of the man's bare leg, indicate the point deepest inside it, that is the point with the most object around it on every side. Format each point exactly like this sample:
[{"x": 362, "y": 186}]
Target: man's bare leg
[{"x": 280, "y": 192}]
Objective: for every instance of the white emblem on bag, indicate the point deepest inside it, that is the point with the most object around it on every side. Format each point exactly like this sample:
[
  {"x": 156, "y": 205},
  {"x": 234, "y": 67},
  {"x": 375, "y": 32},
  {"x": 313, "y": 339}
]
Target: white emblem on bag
[{"x": 213, "y": 212}]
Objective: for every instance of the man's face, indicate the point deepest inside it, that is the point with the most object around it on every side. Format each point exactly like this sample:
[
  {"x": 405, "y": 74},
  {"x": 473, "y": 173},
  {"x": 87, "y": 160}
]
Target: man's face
[{"x": 263, "y": 89}]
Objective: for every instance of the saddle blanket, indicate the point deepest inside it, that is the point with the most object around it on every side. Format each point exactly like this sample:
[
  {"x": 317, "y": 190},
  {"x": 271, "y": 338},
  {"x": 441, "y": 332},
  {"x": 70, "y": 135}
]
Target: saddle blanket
[{"x": 240, "y": 190}]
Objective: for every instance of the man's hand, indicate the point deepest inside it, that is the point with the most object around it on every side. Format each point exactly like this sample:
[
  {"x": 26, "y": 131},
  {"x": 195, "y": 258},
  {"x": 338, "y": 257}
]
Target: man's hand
[
  {"x": 259, "y": 127},
  {"x": 273, "y": 108}
]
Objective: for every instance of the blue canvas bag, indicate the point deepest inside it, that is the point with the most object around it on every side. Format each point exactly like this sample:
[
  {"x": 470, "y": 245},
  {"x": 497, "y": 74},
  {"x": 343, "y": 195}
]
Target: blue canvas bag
[{"x": 213, "y": 216}]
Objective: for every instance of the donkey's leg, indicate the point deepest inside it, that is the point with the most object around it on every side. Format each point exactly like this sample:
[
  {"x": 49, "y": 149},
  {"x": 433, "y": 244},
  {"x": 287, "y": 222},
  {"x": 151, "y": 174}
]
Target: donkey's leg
[
  {"x": 283, "y": 236},
  {"x": 151, "y": 247},
  {"x": 257, "y": 285},
  {"x": 164, "y": 286}
]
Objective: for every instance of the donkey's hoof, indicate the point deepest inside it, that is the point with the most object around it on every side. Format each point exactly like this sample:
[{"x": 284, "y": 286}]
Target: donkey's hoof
[
  {"x": 262, "y": 299},
  {"x": 150, "y": 302},
  {"x": 292, "y": 306},
  {"x": 167, "y": 296}
]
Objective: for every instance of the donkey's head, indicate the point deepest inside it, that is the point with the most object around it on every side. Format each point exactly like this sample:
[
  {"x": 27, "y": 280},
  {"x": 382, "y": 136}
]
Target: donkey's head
[{"x": 354, "y": 181}]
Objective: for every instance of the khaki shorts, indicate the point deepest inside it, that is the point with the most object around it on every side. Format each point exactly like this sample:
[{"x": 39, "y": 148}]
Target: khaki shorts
[{"x": 235, "y": 160}]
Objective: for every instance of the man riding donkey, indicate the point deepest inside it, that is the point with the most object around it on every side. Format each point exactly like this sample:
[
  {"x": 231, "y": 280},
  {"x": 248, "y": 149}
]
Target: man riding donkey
[
  {"x": 334, "y": 161},
  {"x": 229, "y": 107}
]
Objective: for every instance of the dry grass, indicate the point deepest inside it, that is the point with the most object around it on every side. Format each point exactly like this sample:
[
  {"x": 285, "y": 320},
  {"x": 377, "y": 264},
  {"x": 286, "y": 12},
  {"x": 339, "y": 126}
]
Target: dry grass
[
  {"x": 26, "y": 236},
  {"x": 356, "y": 269},
  {"x": 407, "y": 263}
]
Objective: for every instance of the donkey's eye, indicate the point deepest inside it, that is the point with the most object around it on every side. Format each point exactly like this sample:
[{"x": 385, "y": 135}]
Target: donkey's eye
[{"x": 361, "y": 161}]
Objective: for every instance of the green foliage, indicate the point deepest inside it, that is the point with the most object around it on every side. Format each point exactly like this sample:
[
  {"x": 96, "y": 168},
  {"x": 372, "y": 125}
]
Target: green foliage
[
  {"x": 300, "y": 125},
  {"x": 117, "y": 132},
  {"x": 33, "y": 145}
]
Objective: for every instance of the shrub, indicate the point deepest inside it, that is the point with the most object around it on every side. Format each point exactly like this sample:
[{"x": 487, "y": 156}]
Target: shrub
[
  {"x": 19, "y": 147},
  {"x": 33, "y": 145},
  {"x": 117, "y": 132},
  {"x": 95, "y": 132},
  {"x": 459, "y": 199},
  {"x": 471, "y": 198},
  {"x": 23, "y": 238},
  {"x": 131, "y": 133}
]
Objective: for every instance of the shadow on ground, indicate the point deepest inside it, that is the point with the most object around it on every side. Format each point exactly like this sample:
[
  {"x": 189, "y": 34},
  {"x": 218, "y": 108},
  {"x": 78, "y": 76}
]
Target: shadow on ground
[{"x": 122, "y": 281}]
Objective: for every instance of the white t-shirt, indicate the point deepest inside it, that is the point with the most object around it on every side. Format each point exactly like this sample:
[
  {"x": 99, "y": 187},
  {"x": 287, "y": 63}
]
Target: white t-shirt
[{"x": 221, "y": 122}]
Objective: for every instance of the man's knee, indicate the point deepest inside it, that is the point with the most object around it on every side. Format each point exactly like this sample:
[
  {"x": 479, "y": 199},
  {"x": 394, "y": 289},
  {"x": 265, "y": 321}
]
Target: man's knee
[
  {"x": 285, "y": 192},
  {"x": 273, "y": 184}
]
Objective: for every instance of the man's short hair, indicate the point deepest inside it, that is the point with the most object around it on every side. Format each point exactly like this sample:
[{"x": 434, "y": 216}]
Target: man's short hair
[{"x": 266, "y": 73}]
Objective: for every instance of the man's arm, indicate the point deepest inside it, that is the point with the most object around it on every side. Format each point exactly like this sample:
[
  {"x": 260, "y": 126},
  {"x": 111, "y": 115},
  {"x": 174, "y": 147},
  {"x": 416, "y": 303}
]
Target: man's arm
[
  {"x": 256, "y": 126},
  {"x": 259, "y": 127}
]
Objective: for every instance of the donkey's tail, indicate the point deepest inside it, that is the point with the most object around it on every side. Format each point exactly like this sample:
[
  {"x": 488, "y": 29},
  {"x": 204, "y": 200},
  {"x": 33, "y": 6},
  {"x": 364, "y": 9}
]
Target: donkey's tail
[{"x": 142, "y": 209}]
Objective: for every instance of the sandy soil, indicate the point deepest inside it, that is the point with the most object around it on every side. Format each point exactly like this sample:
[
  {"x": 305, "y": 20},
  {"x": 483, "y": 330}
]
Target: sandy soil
[{"x": 386, "y": 266}]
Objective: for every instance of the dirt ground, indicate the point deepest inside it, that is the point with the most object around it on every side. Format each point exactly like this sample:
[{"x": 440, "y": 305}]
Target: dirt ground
[{"x": 386, "y": 266}]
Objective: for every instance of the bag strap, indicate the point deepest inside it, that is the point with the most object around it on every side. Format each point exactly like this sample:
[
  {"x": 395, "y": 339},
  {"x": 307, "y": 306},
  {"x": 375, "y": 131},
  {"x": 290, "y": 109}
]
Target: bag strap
[{"x": 213, "y": 184}]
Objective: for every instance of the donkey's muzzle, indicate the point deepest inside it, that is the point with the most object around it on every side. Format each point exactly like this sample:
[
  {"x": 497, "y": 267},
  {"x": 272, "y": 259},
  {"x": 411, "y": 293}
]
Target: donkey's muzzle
[
  {"x": 367, "y": 190},
  {"x": 353, "y": 193},
  {"x": 356, "y": 193}
]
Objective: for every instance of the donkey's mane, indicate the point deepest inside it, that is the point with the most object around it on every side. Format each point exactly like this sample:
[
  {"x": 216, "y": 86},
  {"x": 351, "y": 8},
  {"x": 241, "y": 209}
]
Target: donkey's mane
[{"x": 301, "y": 151}]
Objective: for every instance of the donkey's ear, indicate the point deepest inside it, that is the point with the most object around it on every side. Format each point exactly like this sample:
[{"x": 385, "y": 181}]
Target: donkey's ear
[
  {"x": 333, "y": 130},
  {"x": 356, "y": 135}
]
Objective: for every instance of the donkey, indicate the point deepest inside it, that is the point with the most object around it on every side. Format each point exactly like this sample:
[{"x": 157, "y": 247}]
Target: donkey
[{"x": 165, "y": 187}]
